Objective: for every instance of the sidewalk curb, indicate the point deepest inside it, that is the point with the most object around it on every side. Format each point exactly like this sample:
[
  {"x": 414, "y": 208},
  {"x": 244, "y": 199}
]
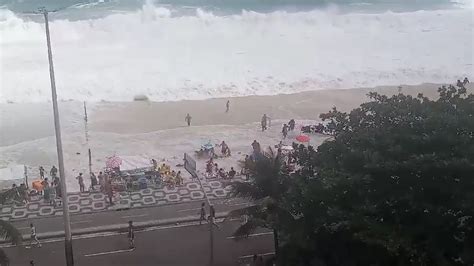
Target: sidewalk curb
[
  {"x": 113, "y": 210},
  {"x": 118, "y": 227}
]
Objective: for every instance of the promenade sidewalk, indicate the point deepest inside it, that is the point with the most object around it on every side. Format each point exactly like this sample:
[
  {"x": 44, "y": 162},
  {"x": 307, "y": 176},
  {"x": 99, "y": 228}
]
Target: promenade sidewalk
[{"x": 89, "y": 202}]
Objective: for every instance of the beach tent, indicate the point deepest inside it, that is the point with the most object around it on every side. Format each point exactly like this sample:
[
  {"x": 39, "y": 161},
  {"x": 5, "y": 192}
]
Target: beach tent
[{"x": 14, "y": 174}]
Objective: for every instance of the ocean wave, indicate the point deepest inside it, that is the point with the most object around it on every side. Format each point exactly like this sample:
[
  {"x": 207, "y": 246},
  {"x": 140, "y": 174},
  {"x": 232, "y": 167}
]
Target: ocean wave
[{"x": 204, "y": 55}]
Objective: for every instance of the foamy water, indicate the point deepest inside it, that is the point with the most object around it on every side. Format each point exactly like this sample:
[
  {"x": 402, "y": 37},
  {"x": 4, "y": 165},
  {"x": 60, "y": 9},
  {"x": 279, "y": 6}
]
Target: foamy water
[{"x": 155, "y": 51}]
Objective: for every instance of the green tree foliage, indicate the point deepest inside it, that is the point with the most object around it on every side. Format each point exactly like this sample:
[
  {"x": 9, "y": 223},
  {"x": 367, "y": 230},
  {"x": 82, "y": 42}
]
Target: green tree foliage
[
  {"x": 7, "y": 230},
  {"x": 268, "y": 184},
  {"x": 395, "y": 186}
]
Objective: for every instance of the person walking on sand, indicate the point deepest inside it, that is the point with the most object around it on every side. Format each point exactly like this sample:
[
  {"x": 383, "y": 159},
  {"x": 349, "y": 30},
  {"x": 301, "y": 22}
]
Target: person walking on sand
[
  {"x": 227, "y": 106},
  {"x": 33, "y": 236},
  {"x": 80, "y": 180},
  {"x": 188, "y": 119},
  {"x": 465, "y": 81},
  {"x": 292, "y": 124},
  {"x": 131, "y": 235},
  {"x": 202, "y": 213},
  {"x": 264, "y": 122},
  {"x": 284, "y": 131},
  {"x": 41, "y": 169}
]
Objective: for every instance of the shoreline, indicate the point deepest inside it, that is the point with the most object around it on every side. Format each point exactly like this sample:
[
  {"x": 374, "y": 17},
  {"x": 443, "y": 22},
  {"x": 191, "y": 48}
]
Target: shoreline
[{"x": 21, "y": 122}]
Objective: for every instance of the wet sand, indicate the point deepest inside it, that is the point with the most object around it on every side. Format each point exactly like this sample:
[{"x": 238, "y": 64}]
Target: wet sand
[{"x": 158, "y": 130}]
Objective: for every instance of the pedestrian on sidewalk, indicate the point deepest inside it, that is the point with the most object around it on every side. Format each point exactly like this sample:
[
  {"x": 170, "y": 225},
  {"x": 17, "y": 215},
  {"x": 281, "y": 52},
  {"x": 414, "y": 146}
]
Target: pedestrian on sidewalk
[
  {"x": 202, "y": 213},
  {"x": 254, "y": 260},
  {"x": 227, "y": 106},
  {"x": 109, "y": 191},
  {"x": 80, "y": 180},
  {"x": 131, "y": 235},
  {"x": 33, "y": 236},
  {"x": 212, "y": 216}
]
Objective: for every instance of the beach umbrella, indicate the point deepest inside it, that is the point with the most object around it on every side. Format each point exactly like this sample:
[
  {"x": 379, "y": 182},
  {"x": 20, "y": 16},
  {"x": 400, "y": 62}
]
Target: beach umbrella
[
  {"x": 208, "y": 146},
  {"x": 302, "y": 138},
  {"x": 113, "y": 162}
]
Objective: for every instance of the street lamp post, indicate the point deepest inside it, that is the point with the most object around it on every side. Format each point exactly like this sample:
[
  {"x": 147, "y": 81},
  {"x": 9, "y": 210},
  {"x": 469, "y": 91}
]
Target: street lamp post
[
  {"x": 59, "y": 146},
  {"x": 190, "y": 166}
]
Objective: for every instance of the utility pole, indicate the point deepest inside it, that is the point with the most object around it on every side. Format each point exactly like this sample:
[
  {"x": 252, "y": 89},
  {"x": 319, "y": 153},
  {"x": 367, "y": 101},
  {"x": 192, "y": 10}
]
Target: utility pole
[
  {"x": 190, "y": 166},
  {"x": 59, "y": 146},
  {"x": 212, "y": 213}
]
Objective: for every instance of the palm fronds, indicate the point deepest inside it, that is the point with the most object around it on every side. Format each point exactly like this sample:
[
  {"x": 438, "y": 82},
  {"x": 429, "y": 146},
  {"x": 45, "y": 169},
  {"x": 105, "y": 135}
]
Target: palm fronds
[
  {"x": 9, "y": 232},
  {"x": 250, "y": 211},
  {"x": 247, "y": 228},
  {"x": 4, "y": 260},
  {"x": 245, "y": 190}
]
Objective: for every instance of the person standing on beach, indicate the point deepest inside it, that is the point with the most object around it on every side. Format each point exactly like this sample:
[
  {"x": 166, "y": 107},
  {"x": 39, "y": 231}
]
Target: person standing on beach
[
  {"x": 227, "y": 106},
  {"x": 188, "y": 119},
  {"x": 53, "y": 172},
  {"x": 264, "y": 122},
  {"x": 41, "y": 169},
  {"x": 101, "y": 180},
  {"x": 292, "y": 124},
  {"x": 80, "y": 180},
  {"x": 284, "y": 131},
  {"x": 93, "y": 181}
]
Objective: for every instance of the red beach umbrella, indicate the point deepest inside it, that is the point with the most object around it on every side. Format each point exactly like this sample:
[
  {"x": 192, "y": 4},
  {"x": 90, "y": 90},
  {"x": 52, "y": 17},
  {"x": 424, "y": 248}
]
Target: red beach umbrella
[
  {"x": 113, "y": 162},
  {"x": 302, "y": 138}
]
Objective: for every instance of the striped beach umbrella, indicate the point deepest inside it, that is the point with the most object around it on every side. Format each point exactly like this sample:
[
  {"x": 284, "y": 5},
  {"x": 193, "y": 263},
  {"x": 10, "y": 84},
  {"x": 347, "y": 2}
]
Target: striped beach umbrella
[{"x": 113, "y": 162}]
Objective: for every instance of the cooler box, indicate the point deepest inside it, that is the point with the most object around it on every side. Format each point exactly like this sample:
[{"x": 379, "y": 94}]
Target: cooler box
[{"x": 37, "y": 185}]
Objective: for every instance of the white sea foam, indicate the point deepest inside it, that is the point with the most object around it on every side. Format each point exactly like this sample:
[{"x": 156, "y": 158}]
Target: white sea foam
[{"x": 162, "y": 55}]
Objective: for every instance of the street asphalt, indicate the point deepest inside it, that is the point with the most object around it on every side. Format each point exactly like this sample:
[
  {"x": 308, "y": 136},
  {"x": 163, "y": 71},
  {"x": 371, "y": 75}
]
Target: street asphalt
[
  {"x": 186, "y": 244},
  {"x": 108, "y": 218}
]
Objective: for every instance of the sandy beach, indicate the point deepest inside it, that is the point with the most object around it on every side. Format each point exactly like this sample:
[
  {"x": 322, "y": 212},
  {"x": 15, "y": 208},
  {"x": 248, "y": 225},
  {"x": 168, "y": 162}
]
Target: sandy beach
[{"x": 157, "y": 129}]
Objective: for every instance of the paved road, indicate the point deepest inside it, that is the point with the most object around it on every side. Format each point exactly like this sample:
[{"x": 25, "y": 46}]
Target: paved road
[
  {"x": 176, "y": 245},
  {"x": 81, "y": 221}
]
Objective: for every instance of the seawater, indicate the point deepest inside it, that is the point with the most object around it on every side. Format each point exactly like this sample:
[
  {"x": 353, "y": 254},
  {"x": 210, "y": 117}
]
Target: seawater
[{"x": 190, "y": 49}]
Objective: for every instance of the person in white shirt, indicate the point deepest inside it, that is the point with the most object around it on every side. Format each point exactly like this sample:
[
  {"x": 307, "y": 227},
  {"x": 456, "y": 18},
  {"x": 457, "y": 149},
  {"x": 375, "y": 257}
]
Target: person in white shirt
[{"x": 33, "y": 236}]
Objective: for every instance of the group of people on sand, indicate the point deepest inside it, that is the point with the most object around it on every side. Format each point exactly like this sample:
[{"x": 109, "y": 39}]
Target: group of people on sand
[
  {"x": 50, "y": 189},
  {"x": 188, "y": 117},
  {"x": 168, "y": 176},
  {"x": 463, "y": 83},
  {"x": 288, "y": 127},
  {"x": 213, "y": 171}
]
